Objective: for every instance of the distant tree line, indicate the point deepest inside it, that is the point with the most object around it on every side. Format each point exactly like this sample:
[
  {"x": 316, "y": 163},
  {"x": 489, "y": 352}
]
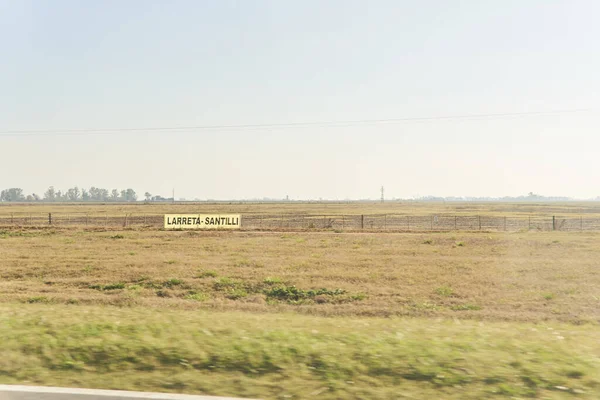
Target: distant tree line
[
  {"x": 529, "y": 197},
  {"x": 75, "y": 194}
]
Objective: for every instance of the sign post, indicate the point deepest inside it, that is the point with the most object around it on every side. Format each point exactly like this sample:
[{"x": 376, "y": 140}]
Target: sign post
[{"x": 203, "y": 221}]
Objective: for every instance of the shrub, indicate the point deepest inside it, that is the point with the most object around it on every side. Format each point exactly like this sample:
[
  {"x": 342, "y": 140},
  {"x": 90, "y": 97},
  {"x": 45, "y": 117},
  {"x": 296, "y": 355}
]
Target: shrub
[
  {"x": 172, "y": 282},
  {"x": 358, "y": 297},
  {"x": 196, "y": 296},
  {"x": 207, "y": 274},
  {"x": 465, "y": 307},
  {"x": 110, "y": 286},
  {"x": 293, "y": 294},
  {"x": 235, "y": 294},
  {"x": 38, "y": 299},
  {"x": 272, "y": 281},
  {"x": 445, "y": 291}
]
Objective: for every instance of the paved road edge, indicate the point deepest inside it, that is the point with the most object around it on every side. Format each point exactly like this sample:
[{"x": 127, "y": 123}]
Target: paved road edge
[{"x": 21, "y": 392}]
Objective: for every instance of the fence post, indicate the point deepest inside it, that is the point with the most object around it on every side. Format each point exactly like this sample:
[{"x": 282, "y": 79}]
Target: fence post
[
  {"x": 505, "y": 223},
  {"x": 145, "y": 215},
  {"x": 12, "y": 219},
  {"x": 362, "y": 221},
  {"x": 432, "y": 222},
  {"x": 30, "y": 220},
  {"x": 529, "y": 223},
  {"x": 581, "y": 222},
  {"x": 408, "y": 222},
  {"x": 553, "y": 223},
  {"x": 479, "y": 219},
  {"x": 455, "y": 222},
  {"x": 49, "y": 218},
  {"x": 342, "y": 221},
  {"x": 385, "y": 221},
  {"x": 87, "y": 217},
  {"x": 125, "y": 221}
]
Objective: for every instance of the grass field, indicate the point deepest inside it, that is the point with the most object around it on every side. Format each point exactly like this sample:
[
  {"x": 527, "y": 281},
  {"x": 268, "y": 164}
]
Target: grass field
[
  {"x": 521, "y": 276},
  {"x": 303, "y": 314},
  {"x": 524, "y": 209},
  {"x": 291, "y": 356}
]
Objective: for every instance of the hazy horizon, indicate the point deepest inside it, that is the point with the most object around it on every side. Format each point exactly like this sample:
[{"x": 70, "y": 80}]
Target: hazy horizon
[
  {"x": 113, "y": 67},
  {"x": 426, "y": 197}
]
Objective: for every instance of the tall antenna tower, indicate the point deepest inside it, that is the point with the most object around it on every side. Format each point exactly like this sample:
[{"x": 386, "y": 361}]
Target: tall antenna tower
[{"x": 382, "y": 194}]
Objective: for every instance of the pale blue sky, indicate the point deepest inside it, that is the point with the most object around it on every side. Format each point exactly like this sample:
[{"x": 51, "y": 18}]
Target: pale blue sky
[{"x": 70, "y": 64}]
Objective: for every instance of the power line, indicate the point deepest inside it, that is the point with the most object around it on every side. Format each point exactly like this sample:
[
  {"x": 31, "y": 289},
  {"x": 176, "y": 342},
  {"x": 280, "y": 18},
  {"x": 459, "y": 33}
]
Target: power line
[{"x": 321, "y": 124}]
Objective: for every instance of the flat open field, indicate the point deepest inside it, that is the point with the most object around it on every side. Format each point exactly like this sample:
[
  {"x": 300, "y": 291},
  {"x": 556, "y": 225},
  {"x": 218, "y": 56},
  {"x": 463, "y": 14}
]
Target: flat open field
[
  {"x": 350, "y": 216},
  {"x": 520, "y": 276},
  {"x": 524, "y": 209},
  {"x": 303, "y": 314}
]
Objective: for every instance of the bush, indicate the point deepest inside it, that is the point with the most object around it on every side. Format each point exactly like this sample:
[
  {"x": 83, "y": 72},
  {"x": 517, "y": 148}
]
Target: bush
[
  {"x": 110, "y": 286},
  {"x": 236, "y": 294},
  {"x": 226, "y": 283},
  {"x": 196, "y": 296},
  {"x": 38, "y": 299},
  {"x": 272, "y": 281},
  {"x": 293, "y": 294},
  {"x": 172, "y": 282},
  {"x": 207, "y": 274},
  {"x": 445, "y": 291}
]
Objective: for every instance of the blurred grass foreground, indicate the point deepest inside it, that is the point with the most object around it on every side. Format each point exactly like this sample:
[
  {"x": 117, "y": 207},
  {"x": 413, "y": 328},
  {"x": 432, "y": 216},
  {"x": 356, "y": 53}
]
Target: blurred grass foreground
[{"x": 295, "y": 356}]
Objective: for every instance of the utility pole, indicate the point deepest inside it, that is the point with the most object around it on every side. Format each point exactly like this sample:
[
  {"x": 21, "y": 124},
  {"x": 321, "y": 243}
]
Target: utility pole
[
  {"x": 173, "y": 195},
  {"x": 382, "y": 191}
]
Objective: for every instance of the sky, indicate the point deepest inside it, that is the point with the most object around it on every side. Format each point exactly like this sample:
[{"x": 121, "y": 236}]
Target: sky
[{"x": 70, "y": 65}]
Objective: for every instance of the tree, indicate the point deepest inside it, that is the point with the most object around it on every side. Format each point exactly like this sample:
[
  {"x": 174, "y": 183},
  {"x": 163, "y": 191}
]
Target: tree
[
  {"x": 130, "y": 195},
  {"x": 148, "y": 196},
  {"x": 12, "y": 194},
  {"x": 114, "y": 195},
  {"x": 85, "y": 195},
  {"x": 73, "y": 194},
  {"x": 103, "y": 194},
  {"x": 97, "y": 194},
  {"x": 94, "y": 194},
  {"x": 50, "y": 194}
]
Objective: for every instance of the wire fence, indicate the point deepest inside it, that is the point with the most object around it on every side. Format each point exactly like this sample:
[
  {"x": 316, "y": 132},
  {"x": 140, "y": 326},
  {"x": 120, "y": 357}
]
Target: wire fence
[{"x": 381, "y": 222}]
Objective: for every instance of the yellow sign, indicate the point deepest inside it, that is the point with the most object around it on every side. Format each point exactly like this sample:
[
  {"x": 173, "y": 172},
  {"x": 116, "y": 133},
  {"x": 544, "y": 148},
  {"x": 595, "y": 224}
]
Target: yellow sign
[{"x": 203, "y": 221}]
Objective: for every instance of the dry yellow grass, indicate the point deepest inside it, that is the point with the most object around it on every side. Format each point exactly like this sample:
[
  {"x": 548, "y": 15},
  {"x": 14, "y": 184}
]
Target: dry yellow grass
[
  {"x": 219, "y": 312},
  {"x": 586, "y": 209},
  {"x": 494, "y": 276}
]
